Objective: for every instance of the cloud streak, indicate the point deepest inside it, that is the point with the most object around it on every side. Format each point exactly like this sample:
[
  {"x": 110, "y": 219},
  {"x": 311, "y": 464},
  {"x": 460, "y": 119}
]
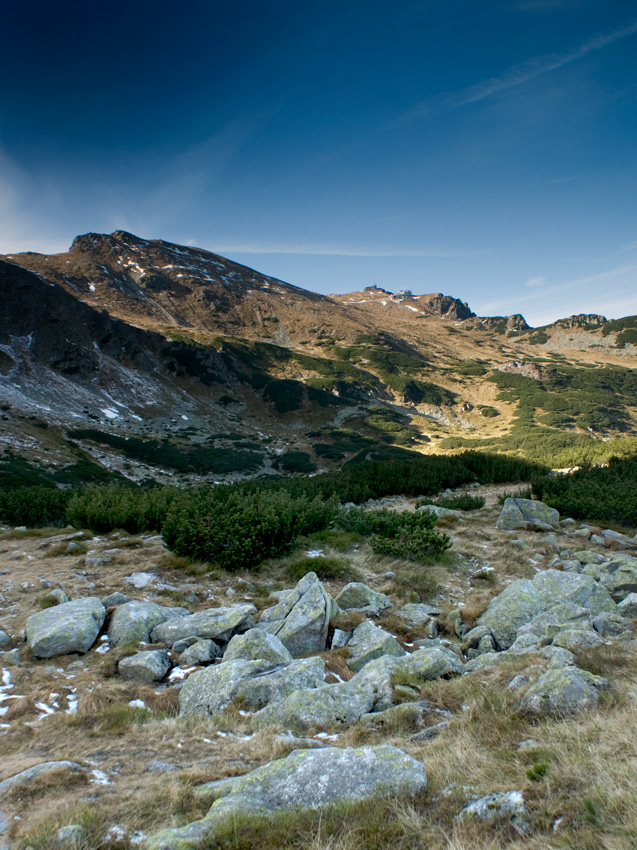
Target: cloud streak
[{"x": 518, "y": 74}]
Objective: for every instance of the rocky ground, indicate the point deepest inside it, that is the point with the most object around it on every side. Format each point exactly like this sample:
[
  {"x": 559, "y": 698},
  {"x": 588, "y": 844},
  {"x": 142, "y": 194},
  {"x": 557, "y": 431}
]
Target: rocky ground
[{"x": 484, "y": 700}]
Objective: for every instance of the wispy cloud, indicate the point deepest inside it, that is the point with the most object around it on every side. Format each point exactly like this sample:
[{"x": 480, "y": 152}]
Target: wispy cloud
[
  {"x": 518, "y": 74},
  {"x": 334, "y": 250},
  {"x": 631, "y": 246},
  {"x": 536, "y": 281}
]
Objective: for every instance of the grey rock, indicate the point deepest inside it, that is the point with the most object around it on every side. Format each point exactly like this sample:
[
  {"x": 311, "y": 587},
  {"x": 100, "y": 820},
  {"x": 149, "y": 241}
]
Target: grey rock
[
  {"x": 440, "y": 512},
  {"x": 133, "y": 622},
  {"x": 209, "y": 691},
  {"x": 5, "y": 641},
  {"x": 610, "y": 625},
  {"x": 431, "y": 663},
  {"x": 619, "y": 576},
  {"x": 597, "y": 540},
  {"x": 70, "y": 627},
  {"x": 628, "y": 606},
  {"x": 331, "y": 705},
  {"x": 527, "y": 514},
  {"x": 616, "y": 537},
  {"x": 301, "y": 618},
  {"x": 368, "y": 642},
  {"x": 431, "y": 731},
  {"x": 297, "y": 742},
  {"x": 571, "y": 565},
  {"x": 215, "y": 623},
  {"x": 357, "y": 596},
  {"x": 156, "y": 766},
  {"x": 48, "y": 771},
  {"x": 577, "y": 641},
  {"x": 563, "y": 692},
  {"x": 200, "y": 652},
  {"x": 73, "y": 835},
  {"x": 510, "y": 610},
  {"x": 56, "y": 596},
  {"x": 562, "y": 616},
  {"x": 255, "y": 644},
  {"x": 502, "y": 806},
  {"x": 306, "y": 779},
  {"x": 269, "y": 687},
  {"x": 518, "y": 682},
  {"x": 525, "y": 643},
  {"x": 115, "y": 599},
  {"x": 141, "y": 580},
  {"x": 340, "y": 638},
  {"x": 586, "y": 556},
  {"x": 149, "y": 666},
  {"x": 417, "y": 614}
]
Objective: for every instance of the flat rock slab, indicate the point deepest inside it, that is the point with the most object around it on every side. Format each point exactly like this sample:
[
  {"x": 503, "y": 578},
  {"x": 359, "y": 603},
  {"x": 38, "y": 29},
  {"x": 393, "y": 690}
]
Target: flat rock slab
[
  {"x": 215, "y": 624},
  {"x": 46, "y": 772},
  {"x": 307, "y": 779},
  {"x": 70, "y": 627}
]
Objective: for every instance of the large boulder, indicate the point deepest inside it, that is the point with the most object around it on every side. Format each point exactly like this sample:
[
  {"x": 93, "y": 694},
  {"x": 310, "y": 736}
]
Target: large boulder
[
  {"x": 255, "y": 644},
  {"x": 368, "y": 642},
  {"x": 619, "y": 576},
  {"x": 149, "y": 666},
  {"x": 510, "y": 610},
  {"x": 200, "y": 652},
  {"x": 527, "y": 514},
  {"x": 578, "y": 641},
  {"x": 134, "y": 621},
  {"x": 306, "y": 779},
  {"x": 70, "y": 627},
  {"x": 566, "y": 615},
  {"x": 562, "y": 692},
  {"x": 301, "y": 618},
  {"x": 358, "y": 597},
  {"x": 432, "y": 662},
  {"x": 209, "y": 691},
  {"x": 215, "y": 624},
  {"x": 267, "y": 688},
  {"x": 523, "y": 601},
  {"x": 317, "y": 708}
]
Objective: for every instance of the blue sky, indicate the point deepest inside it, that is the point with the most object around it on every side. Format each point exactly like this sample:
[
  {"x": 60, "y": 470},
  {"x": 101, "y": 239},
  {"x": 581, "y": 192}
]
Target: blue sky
[{"x": 485, "y": 150}]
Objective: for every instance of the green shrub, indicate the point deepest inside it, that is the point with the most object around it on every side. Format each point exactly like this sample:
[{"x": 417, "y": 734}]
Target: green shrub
[
  {"x": 404, "y": 535},
  {"x": 295, "y": 462},
  {"x": 132, "y": 508},
  {"x": 463, "y": 502},
  {"x": 34, "y": 506},
  {"x": 326, "y": 568}
]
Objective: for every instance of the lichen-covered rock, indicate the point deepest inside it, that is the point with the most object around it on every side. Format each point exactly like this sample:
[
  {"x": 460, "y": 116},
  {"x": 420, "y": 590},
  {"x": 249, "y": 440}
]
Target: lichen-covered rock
[
  {"x": 306, "y": 779},
  {"x": 301, "y": 618},
  {"x": 431, "y": 663},
  {"x": 262, "y": 690},
  {"x": 523, "y": 601},
  {"x": 209, "y": 691},
  {"x": 357, "y": 596},
  {"x": 215, "y": 624},
  {"x": 199, "y": 652},
  {"x": 514, "y": 607},
  {"x": 70, "y": 837},
  {"x": 255, "y": 644},
  {"x": 502, "y": 806},
  {"x": 528, "y": 514},
  {"x": 418, "y": 615},
  {"x": 619, "y": 576},
  {"x": 70, "y": 627},
  {"x": 562, "y": 616},
  {"x": 554, "y": 587},
  {"x": 5, "y": 641},
  {"x": 368, "y": 642},
  {"x": 628, "y": 606},
  {"x": 563, "y": 692},
  {"x": 149, "y": 666},
  {"x": 134, "y": 621},
  {"x": 330, "y": 705},
  {"x": 611, "y": 625},
  {"x": 577, "y": 640}
]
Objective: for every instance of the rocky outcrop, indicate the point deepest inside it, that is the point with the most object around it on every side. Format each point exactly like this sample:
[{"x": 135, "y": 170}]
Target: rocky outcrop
[
  {"x": 216, "y": 624},
  {"x": 306, "y": 779},
  {"x": 134, "y": 621},
  {"x": 301, "y": 619}
]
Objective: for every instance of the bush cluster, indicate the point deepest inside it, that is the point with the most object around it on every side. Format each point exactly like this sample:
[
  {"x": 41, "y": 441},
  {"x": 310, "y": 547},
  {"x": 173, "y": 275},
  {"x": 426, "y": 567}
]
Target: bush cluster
[{"x": 411, "y": 536}]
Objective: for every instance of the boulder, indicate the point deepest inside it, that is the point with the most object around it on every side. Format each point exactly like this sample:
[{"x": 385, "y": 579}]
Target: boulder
[
  {"x": 301, "y": 618},
  {"x": 306, "y": 779},
  {"x": 628, "y": 606},
  {"x": 115, "y": 599},
  {"x": 562, "y": 616},
  {"x": 554, "y": 587},
  {"x": 611, "y": 625},
  {"x": 368, "y": 642},
  {"x": 209, "y": 691},
  {"x": 215, "y": 624},
  {"x": 5, "y": 641},
  {"x": 510, "y": 610},
  {"x": 149, "y": 666},
  {"x": 199, "y": 652},
  {"x": 527, "y": 514},
  {"x": 70, "y": 837},
  {"x": 431, "y": 663},
  {"x": 133, "y": 622},
  {"x": 265, "y": 688},
  {"x": 70, "y": 627},
  {"x": 562, "y": 692},
  {"x": 417, "y": 615},
  {"x": 502, "y": 806},
  {"x": 255, "y": 644},
  {"x": 317, "y": 708},
  {"x": 577, "y": 640},
  {"x": 358, "y": 597},
  {"x": 48, "y": 772},
  {"x": 619, "y": 576}
]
